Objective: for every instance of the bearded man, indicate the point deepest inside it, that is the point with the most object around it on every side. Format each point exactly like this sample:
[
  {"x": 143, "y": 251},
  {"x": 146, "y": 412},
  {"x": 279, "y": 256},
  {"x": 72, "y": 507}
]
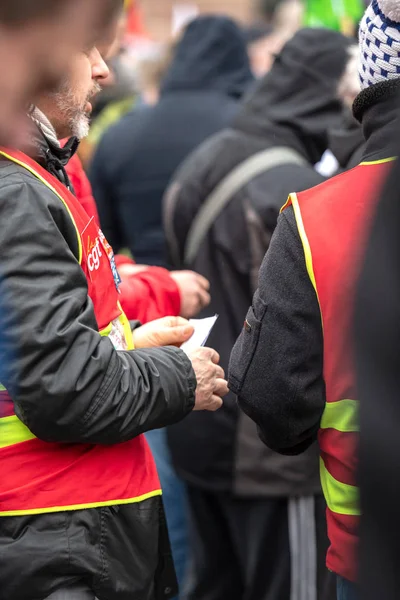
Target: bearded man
[
  {"x": 80, "y": 501},
  {"x": 28, "y": 28}
]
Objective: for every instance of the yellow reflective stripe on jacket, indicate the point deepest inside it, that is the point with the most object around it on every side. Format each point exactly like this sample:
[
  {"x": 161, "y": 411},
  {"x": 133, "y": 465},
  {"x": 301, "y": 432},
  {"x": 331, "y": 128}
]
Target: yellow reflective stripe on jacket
[
  {"x": 13, "y": 431},
  {"x": 304, "y": 240},
  {"x": 106, "y": 331},
  {"x": 342, "y": 416},
  {"x": 126, "y": 328},
  {"x": 382, "y": 161},
  {"x": 294, "y": 201},
  {"x": 341, "y": 498},
  {"x": 69, "y": 507}
]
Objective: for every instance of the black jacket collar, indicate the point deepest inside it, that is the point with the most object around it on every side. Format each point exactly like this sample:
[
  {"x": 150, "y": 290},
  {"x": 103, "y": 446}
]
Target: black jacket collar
[
  {"x": 377, "y": 109},
  {"x": 48, "y": 154},
  {"x": 55, "y": 158}
]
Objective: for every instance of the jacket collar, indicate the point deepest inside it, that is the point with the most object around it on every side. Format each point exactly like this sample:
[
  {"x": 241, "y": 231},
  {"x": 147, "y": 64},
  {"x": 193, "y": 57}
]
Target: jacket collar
[
  {"x": 377, "y": 109},
  {"x": 46, "y": 149},
  {"x": 347, "y": 141}
]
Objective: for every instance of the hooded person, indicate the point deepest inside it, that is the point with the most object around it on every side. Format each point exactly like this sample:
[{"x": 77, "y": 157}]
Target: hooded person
[
  {"x": 137, "y": 157},
  {"x": 243, "y": 495},
  {"x": 293, "y": 366}
]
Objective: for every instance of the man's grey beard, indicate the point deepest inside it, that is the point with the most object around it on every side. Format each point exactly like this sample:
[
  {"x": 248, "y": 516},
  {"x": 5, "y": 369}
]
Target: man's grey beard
[{"x": 76, "y": 119}]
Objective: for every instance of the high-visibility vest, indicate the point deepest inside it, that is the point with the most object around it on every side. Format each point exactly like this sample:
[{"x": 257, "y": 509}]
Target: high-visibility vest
[
  {"x": 333, "y": 220},
  {"x": 42, "y": 477}
]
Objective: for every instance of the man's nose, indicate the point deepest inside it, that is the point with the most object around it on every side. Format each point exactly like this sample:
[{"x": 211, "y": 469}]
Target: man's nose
[{"x": 100, "y": 69}]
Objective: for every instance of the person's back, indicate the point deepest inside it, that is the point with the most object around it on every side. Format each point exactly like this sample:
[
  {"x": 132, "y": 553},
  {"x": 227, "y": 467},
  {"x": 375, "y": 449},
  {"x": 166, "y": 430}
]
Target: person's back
[
  {"x": 278, "y": 113},
  {"x": 138, "y": 156},
  {"x": 292, "y": 107},
  {"x": 319, "y": 241},
  {"x": 299, "y": 383}
]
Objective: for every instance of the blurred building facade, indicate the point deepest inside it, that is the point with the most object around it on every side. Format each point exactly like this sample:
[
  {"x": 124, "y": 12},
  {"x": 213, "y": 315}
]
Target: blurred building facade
[{"x": 159, "y": 14}]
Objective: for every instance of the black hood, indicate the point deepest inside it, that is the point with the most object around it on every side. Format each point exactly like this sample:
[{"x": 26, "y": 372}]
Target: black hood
[
  {"x": 346, "y": 141},
  {"x": 296, "y": 103},
  {"x": 211, "y": 55}
]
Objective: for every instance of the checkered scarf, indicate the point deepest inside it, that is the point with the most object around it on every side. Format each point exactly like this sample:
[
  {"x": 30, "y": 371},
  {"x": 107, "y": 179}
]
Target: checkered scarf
[{"x": 380, "y": 42}]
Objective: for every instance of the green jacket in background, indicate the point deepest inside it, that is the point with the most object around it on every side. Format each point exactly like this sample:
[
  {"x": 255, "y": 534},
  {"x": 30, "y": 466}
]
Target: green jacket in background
[{"x": 342, "y": 15}]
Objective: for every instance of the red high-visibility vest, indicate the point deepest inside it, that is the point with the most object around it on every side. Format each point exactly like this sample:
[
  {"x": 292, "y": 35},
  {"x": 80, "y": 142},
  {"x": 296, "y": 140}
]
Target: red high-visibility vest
[
  {"x": 41, "y": 477},
  {"x": 333, "y": 220}
]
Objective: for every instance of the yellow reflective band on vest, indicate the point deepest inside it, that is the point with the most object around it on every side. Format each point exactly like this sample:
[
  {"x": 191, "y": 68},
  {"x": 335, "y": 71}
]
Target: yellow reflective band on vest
[
  {"x": 342, "y": 416},
  {"x": 13, "y": 431},
  {"x": 127, "y": 329},
  {"x": 123, "y": 320},
  {"x": 341, "y": 498}
]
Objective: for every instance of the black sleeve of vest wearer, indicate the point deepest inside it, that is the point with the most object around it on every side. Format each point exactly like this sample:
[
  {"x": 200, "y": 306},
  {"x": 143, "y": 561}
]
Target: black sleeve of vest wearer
[
  {"x": 67, "y": 382},
  {"x": 276, "y": 364}
]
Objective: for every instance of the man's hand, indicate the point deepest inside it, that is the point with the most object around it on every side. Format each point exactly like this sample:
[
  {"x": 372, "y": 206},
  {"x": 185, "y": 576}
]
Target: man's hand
[
  {"x": 169, "y": 331},
  {"x": 194, "y": 290},
  {"x": 211, "y": 384}
]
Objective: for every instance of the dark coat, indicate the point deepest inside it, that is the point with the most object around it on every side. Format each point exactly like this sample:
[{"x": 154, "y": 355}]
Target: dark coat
[
  {"x": 70, "y": 386},
  {"x": 378, "y": 361},
  {"x": 286, "y": 322},
  {"x": 347, "y": 142},
  {"x": 293, "y": 106},
  {"x": 137, "y": 157},
  {"x": 5, "y": 349}
]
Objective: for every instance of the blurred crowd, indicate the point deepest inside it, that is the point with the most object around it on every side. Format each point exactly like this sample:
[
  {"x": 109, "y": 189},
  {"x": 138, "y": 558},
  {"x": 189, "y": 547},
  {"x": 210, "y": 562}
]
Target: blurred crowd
[{"x": 143, "y": 185}]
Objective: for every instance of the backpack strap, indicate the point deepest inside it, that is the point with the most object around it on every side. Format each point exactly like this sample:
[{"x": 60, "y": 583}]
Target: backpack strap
[{"x": 243, "y": 173}]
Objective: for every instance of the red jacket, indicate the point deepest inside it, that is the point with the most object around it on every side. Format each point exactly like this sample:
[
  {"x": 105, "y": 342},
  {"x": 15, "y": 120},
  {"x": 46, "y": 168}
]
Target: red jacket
[{"x": 145, "y": 296}]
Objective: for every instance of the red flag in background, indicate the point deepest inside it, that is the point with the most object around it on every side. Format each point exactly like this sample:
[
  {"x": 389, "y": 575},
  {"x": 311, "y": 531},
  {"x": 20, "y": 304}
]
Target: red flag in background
[{"x": 135, "y": 26}]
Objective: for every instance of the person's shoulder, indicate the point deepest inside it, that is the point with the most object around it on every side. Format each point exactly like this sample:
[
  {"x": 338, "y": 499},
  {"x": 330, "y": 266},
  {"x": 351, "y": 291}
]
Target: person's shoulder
[
  {"x": 13, "y": 174},
  {"x": 305, "y": 176},
  {"x": 17, "y": 181},
  {"x": 208, "y": 155},
  {"x": 123, "y": 126},
  {"x": 341, "y": 181},
  {"x": 24, "y": 197}
]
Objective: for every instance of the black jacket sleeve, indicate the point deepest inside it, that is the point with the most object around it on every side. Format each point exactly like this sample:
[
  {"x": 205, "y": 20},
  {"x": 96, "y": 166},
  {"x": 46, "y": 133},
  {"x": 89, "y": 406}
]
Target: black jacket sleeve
[
  {"x": 276, "y": 364},
  {"x": 68, "y": 383}
]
